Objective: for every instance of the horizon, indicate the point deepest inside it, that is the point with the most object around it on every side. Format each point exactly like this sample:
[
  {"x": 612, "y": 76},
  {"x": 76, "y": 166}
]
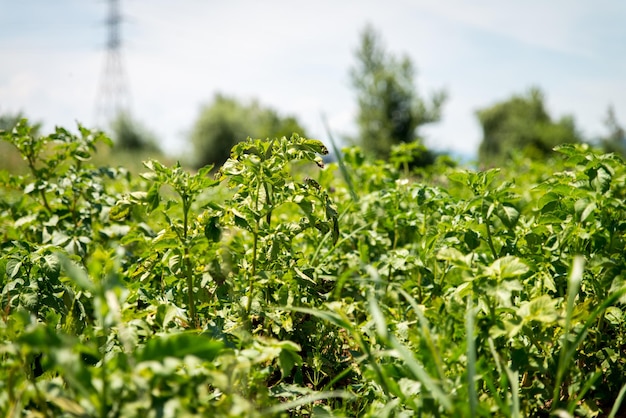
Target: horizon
[{"x": 295, "y": 58}]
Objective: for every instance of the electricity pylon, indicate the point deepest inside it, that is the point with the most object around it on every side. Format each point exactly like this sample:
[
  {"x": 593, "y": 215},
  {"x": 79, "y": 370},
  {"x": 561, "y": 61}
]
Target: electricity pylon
[{"x": 113, "y": 97}]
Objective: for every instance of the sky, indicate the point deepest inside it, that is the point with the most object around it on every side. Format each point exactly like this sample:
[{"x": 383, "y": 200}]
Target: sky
[{"x": 295, "y": 56}]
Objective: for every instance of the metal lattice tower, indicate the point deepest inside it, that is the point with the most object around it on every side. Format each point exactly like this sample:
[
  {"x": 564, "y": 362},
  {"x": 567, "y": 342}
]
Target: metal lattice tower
[{"x": 113, "y": 97}]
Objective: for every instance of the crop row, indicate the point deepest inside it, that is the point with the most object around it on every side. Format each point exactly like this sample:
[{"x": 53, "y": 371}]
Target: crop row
[{"x": 279, "y": 286}]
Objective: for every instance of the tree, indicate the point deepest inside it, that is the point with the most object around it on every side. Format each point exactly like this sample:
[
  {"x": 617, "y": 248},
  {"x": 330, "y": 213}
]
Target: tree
[
  {"x": 11, "y": 159},
  {"x": 129, "y": 135},
  {"x": 8, "y": 122},
  {"x": 615, "y": 140},
  {"x": 523, "y": 124},
  {"x": 226, "y": 122},
  {"x": 390, "y": 110}
]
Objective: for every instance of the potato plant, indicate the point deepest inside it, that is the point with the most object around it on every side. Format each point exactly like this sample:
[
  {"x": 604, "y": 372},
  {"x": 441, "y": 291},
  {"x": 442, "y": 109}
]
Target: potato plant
[{"x": 277, "y": 285}]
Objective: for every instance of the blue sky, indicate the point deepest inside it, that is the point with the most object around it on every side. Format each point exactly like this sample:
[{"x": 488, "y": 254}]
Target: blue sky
[{"x": 295, "y": 56}]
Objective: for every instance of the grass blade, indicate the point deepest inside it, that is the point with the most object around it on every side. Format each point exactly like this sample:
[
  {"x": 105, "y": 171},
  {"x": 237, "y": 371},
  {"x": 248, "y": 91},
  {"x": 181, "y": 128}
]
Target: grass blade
[
  {"x": 618, "y": 402},
  {"x": 425, "y": 328},
  {"x": 511, "y": 378},
  {"x": 343, "y": 322},
  {"x": 573, "y": 284},
  {"x": 420, "y": 374},
  {"x": 569, "y": 348},
  {"x": 342, "y": 165},
  {"x": 408, "y": 357},
  {"x": 307, "y": 399}
]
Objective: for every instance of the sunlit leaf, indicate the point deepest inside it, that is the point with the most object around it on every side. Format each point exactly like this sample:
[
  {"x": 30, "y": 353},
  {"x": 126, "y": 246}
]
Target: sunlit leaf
[
  {"x": 507, "y": 267},
  {"x": 13, "y": 267},
  {"x": 508, "y": 214},
  {"x": 180, "y": 345}
]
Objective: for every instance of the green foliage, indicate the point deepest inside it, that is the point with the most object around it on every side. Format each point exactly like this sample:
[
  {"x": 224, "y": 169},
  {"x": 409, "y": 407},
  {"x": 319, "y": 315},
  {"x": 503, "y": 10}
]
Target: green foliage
[
  {"x": 275, "y": 288},
  {"x": 227, "y": 121},
  {"x": 522, "y": 124},
  {"x": 9, "y": 121},
  {"x": 408, "y": 156},
  {"x": 259, "y": 173},
  {"x": 129, "y": 135},
  {"x": 390, "y": 110},
  {"x": 615, "y": 139},
  {"x": 11, "y": 160}
]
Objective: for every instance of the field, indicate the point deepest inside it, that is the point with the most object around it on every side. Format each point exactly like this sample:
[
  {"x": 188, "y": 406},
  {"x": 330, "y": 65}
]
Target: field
[{"x": 278, "y": 285}]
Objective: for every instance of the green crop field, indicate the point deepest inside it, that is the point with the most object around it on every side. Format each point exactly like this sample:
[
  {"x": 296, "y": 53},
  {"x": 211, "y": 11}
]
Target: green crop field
[{"x": 277, "y": 285}]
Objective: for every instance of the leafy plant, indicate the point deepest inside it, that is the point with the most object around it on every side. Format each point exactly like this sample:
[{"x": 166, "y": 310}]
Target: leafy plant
[{"x": 278, "y": 287}]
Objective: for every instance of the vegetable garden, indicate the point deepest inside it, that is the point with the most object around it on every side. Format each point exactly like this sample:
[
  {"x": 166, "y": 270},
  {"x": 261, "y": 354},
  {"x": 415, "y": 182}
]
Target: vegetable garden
[{"x": 278, "y": 285}]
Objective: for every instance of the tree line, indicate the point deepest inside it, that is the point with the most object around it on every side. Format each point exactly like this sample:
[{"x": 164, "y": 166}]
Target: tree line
[{"x": 390, "y": 112}]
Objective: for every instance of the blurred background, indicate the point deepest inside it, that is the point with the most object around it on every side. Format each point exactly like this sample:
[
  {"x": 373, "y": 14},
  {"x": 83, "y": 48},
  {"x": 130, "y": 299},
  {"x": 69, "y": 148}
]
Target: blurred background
[{"x": 184, "y": 78}]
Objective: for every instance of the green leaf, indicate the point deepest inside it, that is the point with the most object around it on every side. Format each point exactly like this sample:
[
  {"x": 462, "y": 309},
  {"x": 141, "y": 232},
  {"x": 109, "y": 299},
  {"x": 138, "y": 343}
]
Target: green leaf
[
  {"x": 240, "y": 220},
  {"x": 153, "y": 199},
  {"x": 420, "y": 373},
  {"x": 584, "y": 208},
  {"x": 13, "y": 267},
  {"x": 179, "y": 346},
  {"x": 471, "y": 239},
  {"x": 377, "y": 316},
  {"x": 167, "y": 314},
  {"x": 52, "y": 266},
  {"x": 332, "y": 317},
  {"x": 30, "y": 188},
  {"x": 462, "y": 177},
  {"x": 541, "y": 309},
  {"x": 40, "y": 338},
  {"x": 507, "y": 267},
  {"x": 508, "y": 214},
  {"x": 120, "y": 211},
  {"x": 600, "y": 178},
  {"x": 59, "y": 238},
  {"x": 307, "y": 280},
  {"x": 455, "y": 257},
  {"x": 288, "y": 357},
  {"x": 76, "y": 273},
  {"x": 68, "y": 405},
  {"x": 175, "y": 263},
  {"x": 571, "y": 150},
  {"x": 614, "y": 315},
  {"x": 212, "y": 230},
  {"x": 618, "y": 284},
  {"x": 25, "y": 220}
]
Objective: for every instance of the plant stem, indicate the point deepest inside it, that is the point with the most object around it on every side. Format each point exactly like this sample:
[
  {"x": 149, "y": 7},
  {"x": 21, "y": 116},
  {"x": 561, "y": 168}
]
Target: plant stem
[
  {"x": 190, "y": 298},
  {"x": 268, "y": 201},
  {"x": 489, "y": 238},
  {"x": 188, "y": 267},
  {"x": 253, "y": 270},
  {"x": 255, "y": 245},
  {"x": 31, "y": 165}
]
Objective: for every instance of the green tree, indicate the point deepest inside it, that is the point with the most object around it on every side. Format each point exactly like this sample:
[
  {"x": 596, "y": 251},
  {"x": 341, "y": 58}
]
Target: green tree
[
  {"x": 615, "y": 140},
  {"x": 9, "y": 120},
  {"x": 129, "y": 135},
  {"x": 226, "y": 121},
  {"x": 11, "y": 160},
  {"x": 390, "y": 109},
  {"x": 522, "y": 124}
]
